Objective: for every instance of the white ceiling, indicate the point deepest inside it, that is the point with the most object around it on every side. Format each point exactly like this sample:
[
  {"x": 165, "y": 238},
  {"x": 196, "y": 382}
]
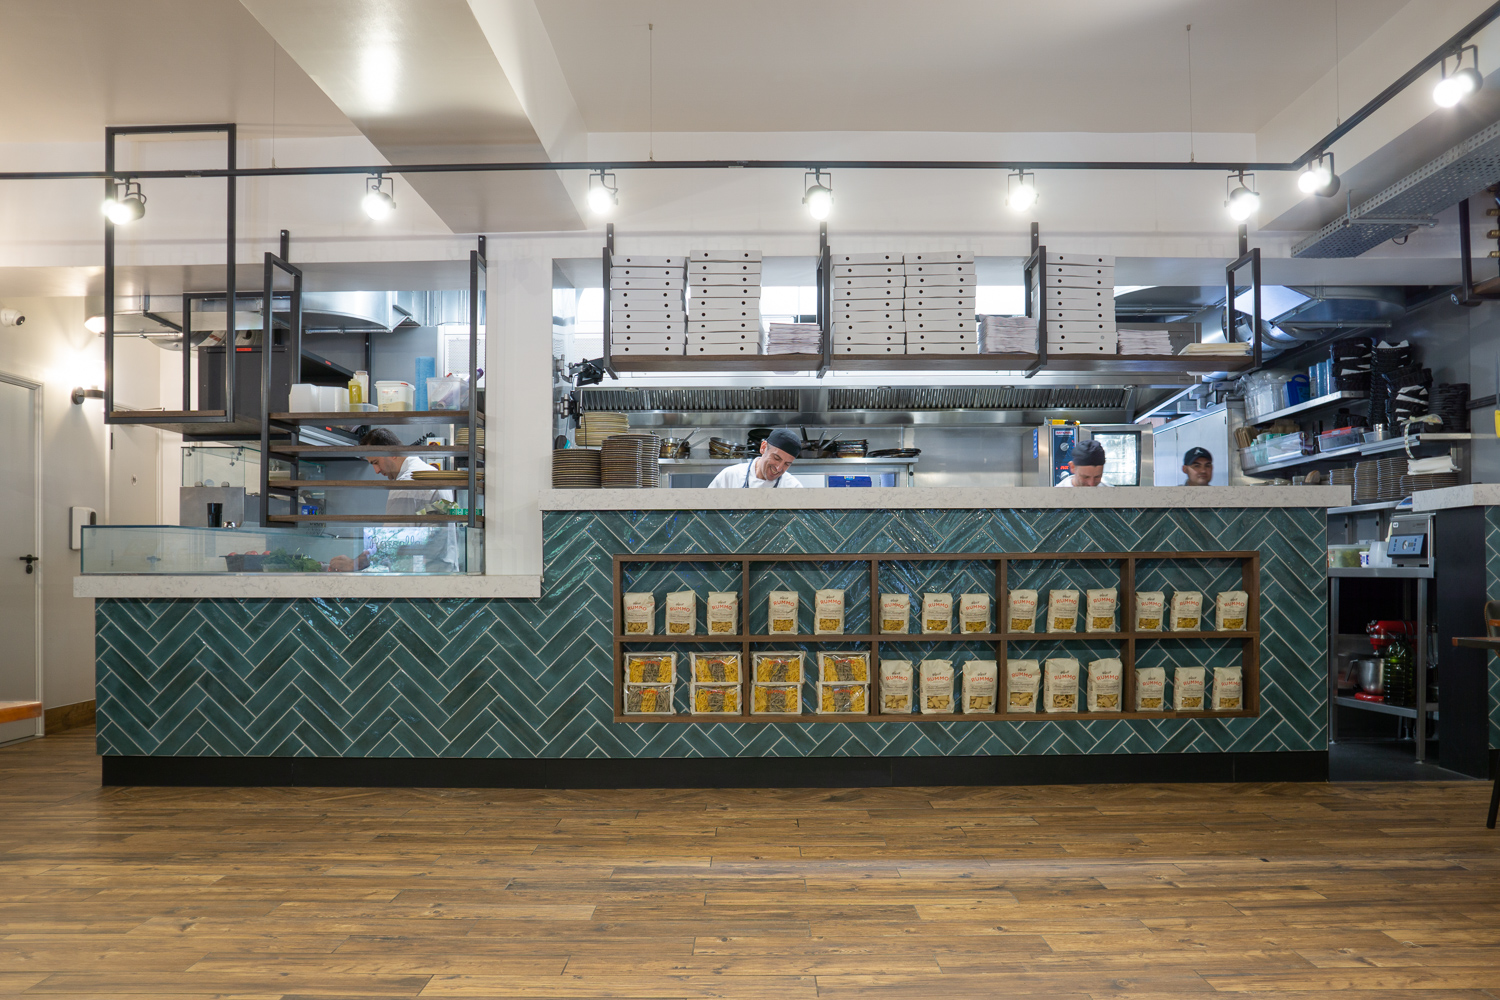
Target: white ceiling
[
  {"x": 946, "y": 65},
  {"x": 70, "y": 67}
]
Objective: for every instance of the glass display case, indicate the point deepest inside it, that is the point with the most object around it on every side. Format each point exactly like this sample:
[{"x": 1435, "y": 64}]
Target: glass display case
[
  {"x": 170, "y": 549},
  {"x": 236, "y": 466}
]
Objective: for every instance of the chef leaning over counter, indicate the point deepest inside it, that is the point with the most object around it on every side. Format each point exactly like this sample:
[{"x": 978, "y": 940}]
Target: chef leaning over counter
[
  {"x": 777, "y": 453},
  {"x": 1087, "y": 466}
]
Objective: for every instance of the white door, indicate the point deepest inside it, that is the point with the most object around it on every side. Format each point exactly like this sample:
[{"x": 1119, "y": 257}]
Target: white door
[{"x": 20, "y": 512}]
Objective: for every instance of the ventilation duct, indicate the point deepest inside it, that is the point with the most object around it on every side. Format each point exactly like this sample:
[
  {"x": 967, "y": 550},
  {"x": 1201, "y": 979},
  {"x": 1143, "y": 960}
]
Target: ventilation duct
[
  {"x": 1472, "y": 165},
  {"x": 999, "y": 397},
  {"x": 692, "y": 400}
]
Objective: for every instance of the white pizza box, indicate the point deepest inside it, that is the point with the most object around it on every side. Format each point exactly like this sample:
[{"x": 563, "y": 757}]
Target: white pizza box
[
  {"x": 724, "y": 255},
  {"x": 1075, "y": 348},
  {"x": 623, "y": 283},
  {"x": 847, "y": 315},
  {"x": 885, "y": 293},
  {"x": 932, "y": 269},
  {"x": 1078, "y": 298},
  {"x": 704, "y": 313},
  {"x": 1085, "y": 259},
  {"x": 883, "y": 283},
  {"x": 631, "y": 260},
  {"x": 618, "y": 315},
  {"x": 866, "y": 258},
  {"x": 940, "y": 316},
  {"x": 647, "y": 326},
  {"x": 645, "y": 298},
  {"x": 748, "y": 347},
  {"x": 1067, "y": 315},
  {"x": 941, "y": 337},
  {"x": 631, "y": 271},
  {"x": 721, "y": 280},
  {"x": 1069, "y": 281},
  {"x": 724, "y": 337},
  {"x": 734, "y": 292},
  {"x": 751, "y": 326},
  {"x": 898, "y": 337},
  {"x": 1080, "y": 271},
  {"x": 930, "y": 347},
  {"x": 942, "y": 257},
  {"x": 869, "y": 348},
  {"x": 926, "y": 299},
  {"x": 874, "y": 327},
  {"x": 677, "y": 337},
  {"x": 964, "y": 281},
  {"x": 873, "y": 303},
  {"x": 1100, "y": 327},
  {"x": 865, "y": 270},
  {"x": 699, "y": 267},
  {"x": 619, "y": 348}
]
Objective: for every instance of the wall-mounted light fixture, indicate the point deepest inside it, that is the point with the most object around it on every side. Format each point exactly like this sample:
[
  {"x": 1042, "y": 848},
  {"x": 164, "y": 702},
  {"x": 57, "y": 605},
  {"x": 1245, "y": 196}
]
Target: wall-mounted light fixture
[
  {"x": 1020, "y": 191},
  {"x": 818, "y": 196},
  {"x": 604, "y": 194},
  {"x": 378, "y": 203},
  {"x": 1319, "y": 178},
  {"x": 80, "y": 394}
]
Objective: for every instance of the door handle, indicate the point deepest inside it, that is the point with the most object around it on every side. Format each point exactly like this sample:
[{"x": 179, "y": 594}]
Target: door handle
[{"x": 29, "y": 560}]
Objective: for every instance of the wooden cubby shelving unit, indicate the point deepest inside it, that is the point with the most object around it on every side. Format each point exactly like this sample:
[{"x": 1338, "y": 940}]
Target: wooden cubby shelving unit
[{"x": 1125, "y": 641}]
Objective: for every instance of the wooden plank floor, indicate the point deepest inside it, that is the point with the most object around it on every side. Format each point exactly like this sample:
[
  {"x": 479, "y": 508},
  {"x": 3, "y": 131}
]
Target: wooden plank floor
[{"x": 1150, "y": 892}]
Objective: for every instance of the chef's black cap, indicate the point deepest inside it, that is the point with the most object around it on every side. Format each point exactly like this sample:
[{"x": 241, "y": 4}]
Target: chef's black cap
[
  {"x": 786, "y": 441},
  {"x": 1089, "y": 453},
  {"x": 1193, "y": 454}
]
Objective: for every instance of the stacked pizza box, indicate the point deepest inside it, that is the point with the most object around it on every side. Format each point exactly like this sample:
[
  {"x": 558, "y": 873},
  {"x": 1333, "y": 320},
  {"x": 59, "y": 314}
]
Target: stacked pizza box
[
  {"x": 1080, "y": 301},
  {"x": 647, "y": 305},
  {"x": 723, "y": 302},
  {"x": 940, "y": 303},
  {"x": 868, "y": 304}
]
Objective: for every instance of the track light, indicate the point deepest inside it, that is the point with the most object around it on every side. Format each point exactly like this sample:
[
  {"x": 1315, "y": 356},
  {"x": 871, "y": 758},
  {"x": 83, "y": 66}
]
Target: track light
[
  {"x": 1242, "y": 201},
  {"x": 1020, "y": 191},
  {"x": 1319, "y": 178},
  {"x": 603, "y": 195},
  {"x": 1464, "y": 81},
  {"x": 125, "y": 205},
  {"x": 378, "y": 203},
  {"x": 819, "y": 194}
]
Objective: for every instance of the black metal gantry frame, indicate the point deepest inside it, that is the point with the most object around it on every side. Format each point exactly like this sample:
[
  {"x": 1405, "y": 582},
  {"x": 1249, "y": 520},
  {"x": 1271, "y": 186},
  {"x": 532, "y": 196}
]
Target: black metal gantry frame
[
  {"x": 278, "y": 262},
  {"x": 1252, "y": 258},
  {"x": 230, "y": 174},
  {"x": 1036, "y": 306},
  {"x": 478, "y": 285}
]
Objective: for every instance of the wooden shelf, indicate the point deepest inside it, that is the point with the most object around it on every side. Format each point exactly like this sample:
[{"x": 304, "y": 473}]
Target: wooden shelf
[
  {"x": 379, "y": 417},
  {"x": 1000, "y": 642},
  {"x": 374, "y": 484},
  {"x": 1146, "y": 364},
  {"x": 369, "y": 449},
  {"x": 376, "y": 518},
  {"x": 1104, "y": 364}
]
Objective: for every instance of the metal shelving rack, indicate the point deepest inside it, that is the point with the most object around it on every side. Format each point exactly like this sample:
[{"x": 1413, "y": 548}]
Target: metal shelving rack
[
  {"x": 288, "y": 425},
  {"x": 999, "y": 641}
]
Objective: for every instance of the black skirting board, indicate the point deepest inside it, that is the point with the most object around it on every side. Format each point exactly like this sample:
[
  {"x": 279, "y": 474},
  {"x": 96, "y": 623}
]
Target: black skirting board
[{"x": 727, "y": 772}]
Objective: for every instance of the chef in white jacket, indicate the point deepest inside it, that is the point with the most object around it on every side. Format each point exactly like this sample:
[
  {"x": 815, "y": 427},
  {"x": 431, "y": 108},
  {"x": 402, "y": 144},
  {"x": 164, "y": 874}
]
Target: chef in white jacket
[{"x": 769, "y": 471}]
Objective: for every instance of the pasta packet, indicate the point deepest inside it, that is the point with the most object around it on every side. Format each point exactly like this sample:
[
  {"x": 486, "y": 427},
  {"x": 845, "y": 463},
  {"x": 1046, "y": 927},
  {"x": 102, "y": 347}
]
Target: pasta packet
[
  {"x": 895, "y": 687},
  {"x": 828, "y": 612},
  {"x": 895, "y": 613},
  {"x": 1232, "y": 607},
  {"x": 1149, "y": 605},
  {"x": 1187, "y": 689},
  {"x": 682, "y": 613},
  {"x": 1060, "y": 685},
  {"x": 723, "y": 612},
  {"x": 937, "y": 686},
  {"x": 937, "y": 613},
  {"x": 1101, "y": 610},
  {"x": 1106, "y": 682},
  {"x": 781, "y": 612},
  {"x": 1062, "y": 611},
  {"x": 1150, "y": 689},
  {"x": 1022, "y": 610},
  {"x": 1023, "y": 680},
  {"x": 640, "y": 614},
  {"x": 974, "y": 612},
  {"x": 981, "y": 686}
]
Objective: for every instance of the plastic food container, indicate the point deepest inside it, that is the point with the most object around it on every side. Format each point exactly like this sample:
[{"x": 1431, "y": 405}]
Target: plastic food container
[
  {"x": 395, "y": 395},
  {"x": 304, "y": 398},
  {"x": 1345, "y": 556},
  {"x": 1343, "y": 437},
  {"x": 447, "y": 394}
]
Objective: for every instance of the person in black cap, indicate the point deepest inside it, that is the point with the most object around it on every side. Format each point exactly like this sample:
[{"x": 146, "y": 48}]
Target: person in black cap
[
  {"x": 777, "y": 453},
  {"x": 1087, "y": 465},
  {"x": 1198, "y": 466}
]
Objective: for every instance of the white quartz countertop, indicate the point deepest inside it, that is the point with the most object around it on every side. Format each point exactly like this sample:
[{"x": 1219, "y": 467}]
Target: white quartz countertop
[
  {"x": 1473, "y": 495},
  {"x": 307, "y": 585},
  {"x": 946, "y": 498}
]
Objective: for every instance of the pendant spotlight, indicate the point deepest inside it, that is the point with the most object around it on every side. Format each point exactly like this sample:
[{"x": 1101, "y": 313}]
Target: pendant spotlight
[
  {"x": 819, "y": 194},
  {"x": 125, "y": 205},
  {"x": 1243, "y": 200},
  {"x": 378, "y": 203},
  {"x": 1319, "y": 178},
  {"x": 603, "y": 195},
  {"x": 1464, "y": 80},
  {"x": 1020, "y": 191}
]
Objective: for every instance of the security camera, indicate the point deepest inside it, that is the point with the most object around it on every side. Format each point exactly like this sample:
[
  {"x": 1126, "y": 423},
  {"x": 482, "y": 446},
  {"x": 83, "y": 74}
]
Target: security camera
[{"x": 11, "y": 317}]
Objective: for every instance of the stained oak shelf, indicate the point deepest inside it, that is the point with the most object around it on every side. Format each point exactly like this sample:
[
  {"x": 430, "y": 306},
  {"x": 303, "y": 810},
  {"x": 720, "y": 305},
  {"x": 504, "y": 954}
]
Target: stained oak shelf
[
  {"x": 1126, "y": 564},
  {"x": 1104, "y": 364}
]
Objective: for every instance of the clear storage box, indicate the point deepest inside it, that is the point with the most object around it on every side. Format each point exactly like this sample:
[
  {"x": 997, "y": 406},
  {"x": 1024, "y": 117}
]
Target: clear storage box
[{"x": 1341, "y": 437}]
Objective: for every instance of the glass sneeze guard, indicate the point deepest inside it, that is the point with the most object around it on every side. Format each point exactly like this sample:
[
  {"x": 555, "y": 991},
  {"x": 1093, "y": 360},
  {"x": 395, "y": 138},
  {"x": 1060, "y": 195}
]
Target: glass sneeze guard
[{"x": 420, "y": 550}]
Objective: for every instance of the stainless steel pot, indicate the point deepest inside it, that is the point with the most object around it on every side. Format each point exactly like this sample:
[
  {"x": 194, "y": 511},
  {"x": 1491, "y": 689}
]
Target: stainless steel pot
[{"x": 1369, "y": 672}]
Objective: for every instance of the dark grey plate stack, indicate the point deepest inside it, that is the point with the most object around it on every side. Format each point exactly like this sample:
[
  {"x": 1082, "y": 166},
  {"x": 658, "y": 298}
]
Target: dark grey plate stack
[
  {"x": 1388, "y": 475},
  {"x": 575, "y": 469},
  {"x": 630, "y": 462}
]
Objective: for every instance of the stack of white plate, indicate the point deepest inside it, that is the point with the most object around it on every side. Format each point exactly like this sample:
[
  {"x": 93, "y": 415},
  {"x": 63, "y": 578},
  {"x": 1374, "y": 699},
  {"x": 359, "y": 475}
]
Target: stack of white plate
[
  {"x": 593, "y": 428},
  {"x": 939, "y": 303},
  {"x": 723, "y": 302},
  {"x": 647, "y": 308},
  {"x": 575, "y": 469}
]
